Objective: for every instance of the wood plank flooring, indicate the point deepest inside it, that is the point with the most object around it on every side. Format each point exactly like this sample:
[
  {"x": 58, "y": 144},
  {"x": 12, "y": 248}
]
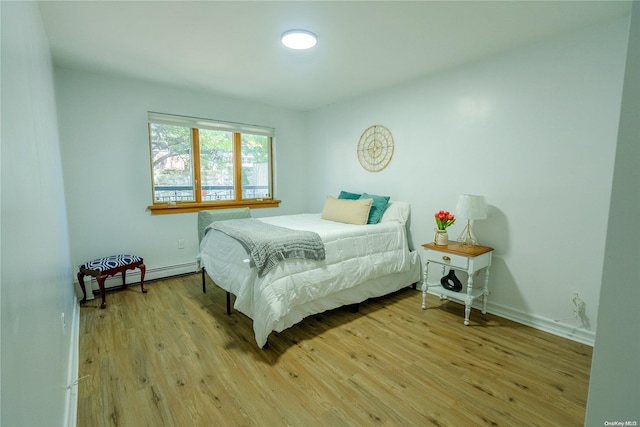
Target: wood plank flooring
[{"x": 173, "y": 357}]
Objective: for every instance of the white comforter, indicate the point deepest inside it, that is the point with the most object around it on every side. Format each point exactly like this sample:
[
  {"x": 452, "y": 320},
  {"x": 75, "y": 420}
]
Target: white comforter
[{"x": 354, "y": 254}]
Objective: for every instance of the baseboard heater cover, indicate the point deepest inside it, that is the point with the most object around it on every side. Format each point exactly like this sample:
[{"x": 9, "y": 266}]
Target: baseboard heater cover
[{"x": 133, "y": 277}]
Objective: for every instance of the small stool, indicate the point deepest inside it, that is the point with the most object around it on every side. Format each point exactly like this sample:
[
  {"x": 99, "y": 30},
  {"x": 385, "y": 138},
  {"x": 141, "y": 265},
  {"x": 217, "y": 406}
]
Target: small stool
[{"x": 102, "y": 268}]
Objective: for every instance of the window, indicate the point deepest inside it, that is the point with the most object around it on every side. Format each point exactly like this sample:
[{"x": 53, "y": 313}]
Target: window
[{"x": 205, "y": 164}]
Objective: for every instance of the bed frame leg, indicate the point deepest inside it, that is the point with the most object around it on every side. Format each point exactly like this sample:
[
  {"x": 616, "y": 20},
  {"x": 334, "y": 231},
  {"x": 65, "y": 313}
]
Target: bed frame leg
[
  {"x": 415, "y": 285},
  {"x": 204, "y": 289}
]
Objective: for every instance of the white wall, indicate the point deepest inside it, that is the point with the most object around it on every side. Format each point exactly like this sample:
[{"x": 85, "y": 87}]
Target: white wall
[
  {"x": 37, "y": 288},
  {"x": 534, "y": 131},
  {"x": 105, "y": 151},
  {"x": 615, "y": 372}
]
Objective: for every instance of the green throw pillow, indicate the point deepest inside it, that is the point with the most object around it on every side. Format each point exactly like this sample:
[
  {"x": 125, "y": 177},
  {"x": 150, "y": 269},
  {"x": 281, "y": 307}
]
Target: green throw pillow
[
  {"x": 377, "y": 207},
  {"x": 349, "y": 196}
]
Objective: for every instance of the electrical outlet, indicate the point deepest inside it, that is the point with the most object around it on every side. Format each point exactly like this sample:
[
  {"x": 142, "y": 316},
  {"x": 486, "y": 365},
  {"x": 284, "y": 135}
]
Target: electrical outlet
[
  {"x": 578, "y": 304},
  {"x": 579, "y": 307},
  {"x": 180, "y": 243}
]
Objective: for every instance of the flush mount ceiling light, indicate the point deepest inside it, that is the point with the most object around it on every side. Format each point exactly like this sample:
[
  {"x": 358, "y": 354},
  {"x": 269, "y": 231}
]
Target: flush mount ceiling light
[{"x": 299, "y": 39}]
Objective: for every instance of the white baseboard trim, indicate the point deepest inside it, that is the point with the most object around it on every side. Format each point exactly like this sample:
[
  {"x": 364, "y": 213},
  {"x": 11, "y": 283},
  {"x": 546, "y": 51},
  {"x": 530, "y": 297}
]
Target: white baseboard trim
[
  {"x": 71, "y": 410},
  {"x": 133, "y": 277},
  {"x": 572, "y": 332}
]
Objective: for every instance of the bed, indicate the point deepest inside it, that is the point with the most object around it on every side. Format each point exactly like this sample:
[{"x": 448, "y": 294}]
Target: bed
[{"x": 359, "y": 262}]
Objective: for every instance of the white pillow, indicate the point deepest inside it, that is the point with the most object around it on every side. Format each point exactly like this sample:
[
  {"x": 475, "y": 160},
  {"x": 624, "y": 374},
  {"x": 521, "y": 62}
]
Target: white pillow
[
  {"x": 397, "y": 211},
  {"x": 346, "y": 210}
]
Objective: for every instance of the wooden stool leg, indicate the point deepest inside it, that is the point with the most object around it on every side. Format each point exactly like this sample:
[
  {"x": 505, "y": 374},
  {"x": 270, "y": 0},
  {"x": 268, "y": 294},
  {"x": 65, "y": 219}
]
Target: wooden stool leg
[
  {"x": 143, "y": 269},
  {"x": 100, "y": 280},
  {"x": 84, "y": 290}
]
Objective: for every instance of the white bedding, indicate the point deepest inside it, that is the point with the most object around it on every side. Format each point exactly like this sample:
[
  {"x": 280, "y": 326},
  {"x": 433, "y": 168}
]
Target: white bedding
[{"x": 361, "y": 262}]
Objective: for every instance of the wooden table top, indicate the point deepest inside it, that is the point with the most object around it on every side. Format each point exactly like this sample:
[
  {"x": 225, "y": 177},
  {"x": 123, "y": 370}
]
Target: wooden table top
[{"x": 459, "y": 249}]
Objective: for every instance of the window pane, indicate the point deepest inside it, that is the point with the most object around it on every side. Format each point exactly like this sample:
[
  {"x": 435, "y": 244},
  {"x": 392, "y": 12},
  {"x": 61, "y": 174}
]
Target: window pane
[
  {"x": 216, "y": 165},
  {"x": 255, "y": 166},
  {"x": 171, "y": 161}
]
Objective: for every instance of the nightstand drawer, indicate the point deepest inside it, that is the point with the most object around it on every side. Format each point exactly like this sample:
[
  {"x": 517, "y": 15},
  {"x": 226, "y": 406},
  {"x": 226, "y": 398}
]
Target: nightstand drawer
[{"x": 452, "y": 260}]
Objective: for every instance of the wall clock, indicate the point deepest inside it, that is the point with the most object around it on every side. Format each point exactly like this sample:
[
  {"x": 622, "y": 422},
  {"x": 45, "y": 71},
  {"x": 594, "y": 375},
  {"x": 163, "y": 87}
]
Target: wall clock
[{"x": 375, "y": 148}]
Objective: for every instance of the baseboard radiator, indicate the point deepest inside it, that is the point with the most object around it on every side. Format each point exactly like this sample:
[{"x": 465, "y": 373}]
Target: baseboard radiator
[{"x": 133, "y": 277}]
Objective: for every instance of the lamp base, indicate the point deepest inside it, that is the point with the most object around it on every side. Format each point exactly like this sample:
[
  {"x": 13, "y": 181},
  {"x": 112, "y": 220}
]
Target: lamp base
[{"x": 467, "y": 238}]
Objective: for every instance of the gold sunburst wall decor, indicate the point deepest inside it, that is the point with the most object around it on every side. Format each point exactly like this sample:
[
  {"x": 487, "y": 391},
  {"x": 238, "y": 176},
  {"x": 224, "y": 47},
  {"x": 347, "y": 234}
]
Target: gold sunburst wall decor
[{"x": 375, "y": 148}]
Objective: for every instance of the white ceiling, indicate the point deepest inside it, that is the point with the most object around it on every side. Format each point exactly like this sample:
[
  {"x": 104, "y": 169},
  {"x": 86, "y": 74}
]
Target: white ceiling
[{"x": 233, "y": 47}]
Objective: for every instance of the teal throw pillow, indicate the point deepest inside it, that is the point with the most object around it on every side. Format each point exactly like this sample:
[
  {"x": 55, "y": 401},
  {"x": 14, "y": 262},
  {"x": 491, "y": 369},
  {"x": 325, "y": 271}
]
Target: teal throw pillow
[
  {"x": 378, "y": 207},
  {"x": 349, "y": 196}
]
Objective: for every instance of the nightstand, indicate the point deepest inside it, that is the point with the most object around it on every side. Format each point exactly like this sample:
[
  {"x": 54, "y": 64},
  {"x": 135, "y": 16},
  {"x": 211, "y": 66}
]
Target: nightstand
[{"x": 470, "y": 259}]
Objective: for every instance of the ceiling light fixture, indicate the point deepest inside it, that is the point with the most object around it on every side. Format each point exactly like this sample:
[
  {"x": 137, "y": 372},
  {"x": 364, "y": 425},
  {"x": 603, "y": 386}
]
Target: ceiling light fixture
[{"x": 299, "y": 39}]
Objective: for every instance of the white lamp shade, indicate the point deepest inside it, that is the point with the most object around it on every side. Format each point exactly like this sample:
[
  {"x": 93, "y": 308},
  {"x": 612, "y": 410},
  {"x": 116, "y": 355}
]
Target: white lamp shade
[{"x": 471, "y": 207}]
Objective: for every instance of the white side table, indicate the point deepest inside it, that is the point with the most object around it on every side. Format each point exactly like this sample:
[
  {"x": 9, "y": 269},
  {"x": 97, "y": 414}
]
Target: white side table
[{"x": 470, "y": 259}]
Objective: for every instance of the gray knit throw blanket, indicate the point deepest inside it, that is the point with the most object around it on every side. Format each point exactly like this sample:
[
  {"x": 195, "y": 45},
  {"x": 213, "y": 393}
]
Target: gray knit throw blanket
[{"x": 269, "y": 244}]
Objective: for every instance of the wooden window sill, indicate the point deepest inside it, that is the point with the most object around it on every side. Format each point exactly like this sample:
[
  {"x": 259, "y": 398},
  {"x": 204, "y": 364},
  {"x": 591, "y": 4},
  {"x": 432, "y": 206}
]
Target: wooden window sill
[{"x": 183, "y": 207}]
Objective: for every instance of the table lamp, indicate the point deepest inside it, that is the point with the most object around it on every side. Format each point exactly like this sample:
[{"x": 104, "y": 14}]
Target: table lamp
[{"x": 470, "y": 207}]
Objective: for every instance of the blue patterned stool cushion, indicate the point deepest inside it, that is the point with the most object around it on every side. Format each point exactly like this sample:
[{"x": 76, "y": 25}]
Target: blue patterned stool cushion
[{"x": 113, "y": 261}]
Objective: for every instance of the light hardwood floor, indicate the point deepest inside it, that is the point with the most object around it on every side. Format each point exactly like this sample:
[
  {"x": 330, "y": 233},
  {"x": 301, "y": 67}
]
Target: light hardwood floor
[{"x": 172, "y": 357}]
